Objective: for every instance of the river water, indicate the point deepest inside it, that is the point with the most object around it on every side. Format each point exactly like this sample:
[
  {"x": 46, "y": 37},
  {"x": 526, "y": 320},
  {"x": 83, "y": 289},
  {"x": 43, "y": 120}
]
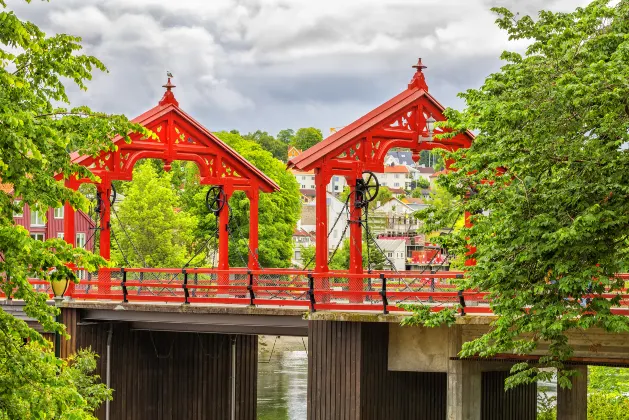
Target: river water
[{"x": 282, "y": 386}]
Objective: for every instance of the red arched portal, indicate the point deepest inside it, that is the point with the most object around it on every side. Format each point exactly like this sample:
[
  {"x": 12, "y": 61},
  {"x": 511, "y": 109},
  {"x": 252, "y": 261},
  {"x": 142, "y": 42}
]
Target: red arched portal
[
  {"x": 363, "y": 145},
  {"x": 178, "y": 137}
]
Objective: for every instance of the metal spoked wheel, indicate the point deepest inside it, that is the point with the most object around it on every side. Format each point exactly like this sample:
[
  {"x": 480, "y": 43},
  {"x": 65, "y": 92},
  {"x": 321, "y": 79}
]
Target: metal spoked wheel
[
  {"x": 367, "y": 188},
  {"x": 215, "y": 199}
]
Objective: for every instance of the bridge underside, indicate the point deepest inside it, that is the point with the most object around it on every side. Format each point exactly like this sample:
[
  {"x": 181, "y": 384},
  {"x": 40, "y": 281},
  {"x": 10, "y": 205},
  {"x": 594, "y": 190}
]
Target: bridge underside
[{"x": 160, "y": 375}]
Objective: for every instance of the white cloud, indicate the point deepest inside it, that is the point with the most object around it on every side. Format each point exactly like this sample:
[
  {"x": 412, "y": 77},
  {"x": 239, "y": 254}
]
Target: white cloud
[{"x": 271, "y": 64}]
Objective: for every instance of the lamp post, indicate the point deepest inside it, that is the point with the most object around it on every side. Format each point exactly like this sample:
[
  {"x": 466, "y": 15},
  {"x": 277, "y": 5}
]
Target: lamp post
[
  {"x": 59, "y": 287},
  {"x": 430, "y": 129}
]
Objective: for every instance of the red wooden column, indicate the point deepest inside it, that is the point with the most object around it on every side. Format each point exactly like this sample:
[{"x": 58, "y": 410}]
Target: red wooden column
[
  {"x": 69, "y": 228},
  {"x": 322, "y": 178},
  {"x": 254, "y": 196},
  {"x": 104, "y": 191},
  {"x": 223, "y": 242},
  {"x": 355, "y": 243}
]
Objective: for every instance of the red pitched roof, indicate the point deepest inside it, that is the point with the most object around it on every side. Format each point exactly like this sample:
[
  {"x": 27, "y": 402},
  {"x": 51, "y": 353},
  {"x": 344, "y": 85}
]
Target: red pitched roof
[
  {"x": 436, "y": 174},
  {"x": 397, "y": 190},
  {"x": 357, "y": 129},
  {"x": 157, "y": 112},
  {"x": 400, "y": 169}
]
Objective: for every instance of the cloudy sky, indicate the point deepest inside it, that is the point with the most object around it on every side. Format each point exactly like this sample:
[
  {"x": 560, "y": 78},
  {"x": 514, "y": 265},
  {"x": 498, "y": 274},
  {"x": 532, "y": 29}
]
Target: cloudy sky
[{"x": 274, "y": 64}]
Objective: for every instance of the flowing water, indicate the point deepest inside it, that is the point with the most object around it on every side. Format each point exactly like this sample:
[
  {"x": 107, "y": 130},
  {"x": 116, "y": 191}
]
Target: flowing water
[{"x": 282, "y": 386}]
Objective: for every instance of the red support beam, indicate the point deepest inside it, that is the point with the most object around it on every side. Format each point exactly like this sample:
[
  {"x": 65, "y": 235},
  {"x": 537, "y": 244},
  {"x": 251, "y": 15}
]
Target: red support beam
[
  {"x": 322, "y": 178},
  {"x": 355, "y": 244},
  {"x": 69, "y": 229},
  {"x": 254, "y": 196},
  {"x": 223, "y": 240},
  {"x": 104, "y": 191}
]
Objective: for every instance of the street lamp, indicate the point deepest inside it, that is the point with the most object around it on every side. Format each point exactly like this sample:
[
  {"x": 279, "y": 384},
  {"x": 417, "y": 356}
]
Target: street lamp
[
  {"x": 430, "y": 126},
  {"x": 59, "y": 288}
]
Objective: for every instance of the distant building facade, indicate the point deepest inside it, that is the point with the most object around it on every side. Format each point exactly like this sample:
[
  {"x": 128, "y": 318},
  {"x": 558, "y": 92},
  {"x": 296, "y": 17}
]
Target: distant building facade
[{"x": 50, "y": 225}]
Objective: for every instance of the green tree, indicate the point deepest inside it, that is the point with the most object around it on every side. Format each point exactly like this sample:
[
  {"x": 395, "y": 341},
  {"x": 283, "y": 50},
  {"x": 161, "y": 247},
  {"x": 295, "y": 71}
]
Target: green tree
[
  {"x": 286, "y": 136},
  {"x": 278, "y": 148},
  {"x": 307, "y": 256},
  {"x": 305, "y": 138},
  {"x": 150, "y": 227},
  {"x": 423, "y": 184},
  {"x": 35, "y": 136},
  {"x": 278, "y": 212},
  {"x": 546, "y": 182}
]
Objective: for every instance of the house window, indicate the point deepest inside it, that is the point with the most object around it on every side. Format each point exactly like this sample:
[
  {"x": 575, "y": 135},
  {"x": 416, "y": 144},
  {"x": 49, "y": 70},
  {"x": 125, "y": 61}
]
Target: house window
[
  {"x": 390, "y": 254},
  {"x": 60, "y": 235},
  {"x": 80, "y": 240},
  {"x": 303, "y": 187},
  {"x": 298, "y": 255},
  {"x": 37, "y": 219},
  {"x": 38, "y": 236},
  {"x": 397, "y": 176},
  {"x": 21, "y": 212},
  {"x": 397, "y": 184},
  {"x": 59, "y": 213}
]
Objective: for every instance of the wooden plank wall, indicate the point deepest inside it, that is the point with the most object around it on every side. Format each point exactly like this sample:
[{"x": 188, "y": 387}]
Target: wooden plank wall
[
  {"x": 171, "y": 375},
  {"x": 517, "y": 404},
  {"x": 349, "y": 377}
]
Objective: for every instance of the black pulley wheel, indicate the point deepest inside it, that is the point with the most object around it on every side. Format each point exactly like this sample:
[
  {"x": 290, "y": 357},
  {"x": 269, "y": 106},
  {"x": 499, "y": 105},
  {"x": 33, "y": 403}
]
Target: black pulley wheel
[
  {"x": 215, "y": 199},
  {"x": 369, "y": 186}
]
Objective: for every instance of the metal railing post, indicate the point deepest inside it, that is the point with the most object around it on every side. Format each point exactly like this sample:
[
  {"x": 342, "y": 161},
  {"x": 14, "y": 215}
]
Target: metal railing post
[
  {"x": 252, "y": 295},
  {"x": 383, "y": 294},
  {"x": 311, "y": 294},
  {"x": 186, "y": 294},
  {"x": 432, "y": 286},
  {"x": 462, "y": 302},
  {"x": 123, "y": 284}
]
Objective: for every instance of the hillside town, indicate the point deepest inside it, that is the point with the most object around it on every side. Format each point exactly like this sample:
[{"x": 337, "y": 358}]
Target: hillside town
[{"x": 394, "y": 226}]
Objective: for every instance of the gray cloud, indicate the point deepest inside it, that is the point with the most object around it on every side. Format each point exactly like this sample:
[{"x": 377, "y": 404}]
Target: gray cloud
[{"x": 272, "y": 64}]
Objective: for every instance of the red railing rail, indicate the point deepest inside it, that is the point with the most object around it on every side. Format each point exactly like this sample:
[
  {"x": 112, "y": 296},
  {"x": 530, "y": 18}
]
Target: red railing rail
[{"x": 379, "y": 291}]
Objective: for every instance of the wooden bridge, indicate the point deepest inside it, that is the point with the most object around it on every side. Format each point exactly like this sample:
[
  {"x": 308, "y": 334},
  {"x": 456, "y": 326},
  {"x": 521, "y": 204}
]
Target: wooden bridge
[{"x": 181, "y": 343}]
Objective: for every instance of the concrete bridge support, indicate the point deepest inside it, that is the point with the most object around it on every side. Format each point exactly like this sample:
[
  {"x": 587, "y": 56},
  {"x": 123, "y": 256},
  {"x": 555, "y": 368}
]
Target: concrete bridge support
[
  {"x": 380, "y": 371},
  {"x": 170, "y": 375}
]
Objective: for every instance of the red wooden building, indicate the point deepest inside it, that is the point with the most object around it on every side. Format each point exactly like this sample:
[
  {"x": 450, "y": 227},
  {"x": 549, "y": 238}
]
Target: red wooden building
[{"x": 51, "y": 226}]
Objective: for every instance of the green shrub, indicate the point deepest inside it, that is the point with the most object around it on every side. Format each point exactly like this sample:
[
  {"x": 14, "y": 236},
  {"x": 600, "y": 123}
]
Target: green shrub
[{"x": 606, "y": 406}]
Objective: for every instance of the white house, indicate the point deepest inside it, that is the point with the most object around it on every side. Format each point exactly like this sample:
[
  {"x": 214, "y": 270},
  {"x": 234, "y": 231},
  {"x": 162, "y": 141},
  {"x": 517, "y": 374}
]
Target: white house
[
  {"x": 301, "y": 239},
  {"x": 398, "y": 176},
  {"x": 395, "y": 251},
  {"x": 394, "y": 207},
  {"x": 306, "y": 181},
  {"x": 334, "y": 209}
]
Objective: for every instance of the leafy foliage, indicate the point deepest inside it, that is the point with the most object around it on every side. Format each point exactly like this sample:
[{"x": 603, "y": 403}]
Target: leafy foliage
[
  {"x": 602, "y": 406},
  {"x": 35, "y": 136},
  {"x": 546, "y": 182},
  {"x": 278, "y": 148},
  {"x": 305, "y": 138},
  {"x": 150, "y": 228},
  {"x": 422, "y": 315}
]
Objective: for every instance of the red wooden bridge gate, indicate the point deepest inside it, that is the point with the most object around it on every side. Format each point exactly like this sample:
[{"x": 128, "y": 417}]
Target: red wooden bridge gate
[{"x": 348, "y": 361}]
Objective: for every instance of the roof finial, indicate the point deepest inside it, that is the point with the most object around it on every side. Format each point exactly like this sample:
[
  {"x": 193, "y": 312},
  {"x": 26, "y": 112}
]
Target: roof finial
[
  {"x": 169, "y": 96},
  {"x": 418, "y": 81}
]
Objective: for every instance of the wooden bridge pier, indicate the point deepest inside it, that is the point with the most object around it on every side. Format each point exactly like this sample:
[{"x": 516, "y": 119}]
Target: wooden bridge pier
[
  {"x": 357, "y": 371},
  {"x": 159, "y": 375}
]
